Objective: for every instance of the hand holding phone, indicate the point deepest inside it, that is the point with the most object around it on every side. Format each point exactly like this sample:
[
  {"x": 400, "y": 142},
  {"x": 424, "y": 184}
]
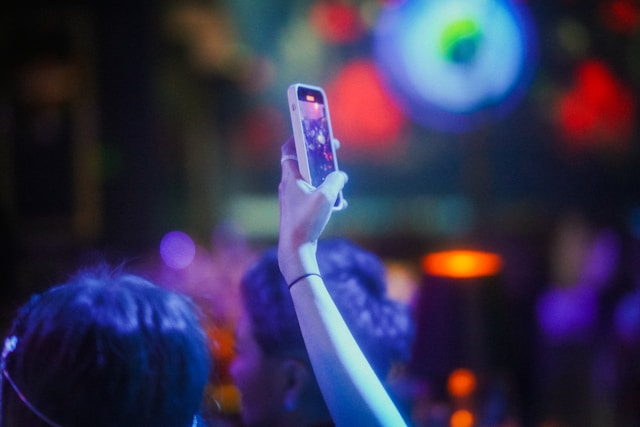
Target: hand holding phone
[{"x": 315, "y": 148}]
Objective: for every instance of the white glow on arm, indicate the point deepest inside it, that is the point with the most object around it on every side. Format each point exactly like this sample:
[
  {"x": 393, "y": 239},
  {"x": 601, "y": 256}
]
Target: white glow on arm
[{"x": 353, "y": 392}]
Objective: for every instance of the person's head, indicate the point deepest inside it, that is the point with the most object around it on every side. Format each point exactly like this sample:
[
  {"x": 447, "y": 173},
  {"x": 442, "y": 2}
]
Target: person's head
[
  {"x": 272, "y": 370},
  {"x": 105, "y": 349}
]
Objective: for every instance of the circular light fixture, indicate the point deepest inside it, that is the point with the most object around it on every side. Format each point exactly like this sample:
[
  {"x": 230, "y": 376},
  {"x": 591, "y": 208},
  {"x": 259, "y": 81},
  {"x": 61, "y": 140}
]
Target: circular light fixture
[{"x": 456, "y": 64}]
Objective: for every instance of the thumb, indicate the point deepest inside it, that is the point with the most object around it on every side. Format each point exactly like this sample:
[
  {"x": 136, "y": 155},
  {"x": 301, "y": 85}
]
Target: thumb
[{"x": 333, "y": 184}]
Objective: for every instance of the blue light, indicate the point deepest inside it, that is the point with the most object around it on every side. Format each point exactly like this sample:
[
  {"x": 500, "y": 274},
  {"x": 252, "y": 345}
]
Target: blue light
[
  {"x": 456, "y": 64},
  {"x": 627, "y": 318}
]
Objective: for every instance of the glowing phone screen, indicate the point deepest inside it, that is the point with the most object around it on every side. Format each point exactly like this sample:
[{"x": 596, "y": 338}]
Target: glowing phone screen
[{"x": 317, "y": 136}]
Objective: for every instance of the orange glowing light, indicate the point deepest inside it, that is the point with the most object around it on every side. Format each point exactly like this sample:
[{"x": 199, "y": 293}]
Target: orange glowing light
[
  {"x": 461, "y": 418},
  {"x": 221, "y": 342},
  {"x": 462, "y": 264},
  {"x": 461, "y": 383}
]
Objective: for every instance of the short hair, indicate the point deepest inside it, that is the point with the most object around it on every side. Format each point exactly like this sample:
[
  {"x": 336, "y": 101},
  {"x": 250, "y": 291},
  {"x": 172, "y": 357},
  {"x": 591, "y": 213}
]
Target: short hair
[
  {"x": 356, "y": 281},
  {"x": 107, "y": 348}
]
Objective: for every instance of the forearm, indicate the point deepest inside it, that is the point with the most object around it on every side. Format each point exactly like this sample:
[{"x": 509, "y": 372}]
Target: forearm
[
  {"x": 352, "y": 391},
  {"x": 297, "y": 260}
]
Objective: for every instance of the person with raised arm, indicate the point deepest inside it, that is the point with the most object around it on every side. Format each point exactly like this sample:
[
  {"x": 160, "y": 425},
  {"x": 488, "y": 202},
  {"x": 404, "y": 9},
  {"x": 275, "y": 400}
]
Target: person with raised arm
[{"x": 352, "y": 391}]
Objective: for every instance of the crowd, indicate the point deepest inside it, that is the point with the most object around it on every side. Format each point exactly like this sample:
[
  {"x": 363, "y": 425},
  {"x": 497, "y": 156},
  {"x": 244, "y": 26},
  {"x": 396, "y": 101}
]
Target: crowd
[{"x": 110, "y": 348}]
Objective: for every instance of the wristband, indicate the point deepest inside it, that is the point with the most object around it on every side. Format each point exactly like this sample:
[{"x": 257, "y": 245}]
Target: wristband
[{"x": 304, "y": 276}]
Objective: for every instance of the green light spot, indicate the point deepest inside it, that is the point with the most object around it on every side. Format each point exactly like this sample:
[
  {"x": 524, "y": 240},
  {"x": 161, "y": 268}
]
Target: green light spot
[{"x": 460, "y": 40}]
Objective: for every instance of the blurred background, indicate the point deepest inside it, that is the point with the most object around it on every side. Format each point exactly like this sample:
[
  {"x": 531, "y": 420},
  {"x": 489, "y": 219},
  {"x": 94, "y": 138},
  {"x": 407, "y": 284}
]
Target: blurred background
[{"x": 492, "y": 148}]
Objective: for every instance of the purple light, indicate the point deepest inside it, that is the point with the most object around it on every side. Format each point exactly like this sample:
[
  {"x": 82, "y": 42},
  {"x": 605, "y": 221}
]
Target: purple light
[
  {"x": 177, "y": 250},
  {"x": 566, "y": 314},
  {"x": 601, "y": 263}
]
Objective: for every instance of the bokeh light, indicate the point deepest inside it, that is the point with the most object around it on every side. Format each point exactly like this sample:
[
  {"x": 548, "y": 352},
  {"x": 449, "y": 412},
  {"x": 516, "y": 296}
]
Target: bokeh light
[
  {"x": 260, "y": 129},
  {"x": 462, "y": 264},
  {"x": 455, "y": 65},
  {"x": 599, "y": 110},
  {"x": 566, "y": 314},
  {"x": 573, "y": 38},
  {"x": 362, "y": 113},
  {"x": 621, "y": 15},
  {"x": 633, "y": 222},
  {"x": 402, "y": 281},
  {"x": 336, "y": 21},
  {"x": 177, "y": 250},
  {"x": 462, "y": 418},
  {"x": 627, "y": 318},
  {"x": 461, "y": 383}
]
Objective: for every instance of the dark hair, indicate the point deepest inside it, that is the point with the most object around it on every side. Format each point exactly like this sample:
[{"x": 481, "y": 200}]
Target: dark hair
[
  {"x": 107, "y": 349},
  {"x": 355, "y": 279}
]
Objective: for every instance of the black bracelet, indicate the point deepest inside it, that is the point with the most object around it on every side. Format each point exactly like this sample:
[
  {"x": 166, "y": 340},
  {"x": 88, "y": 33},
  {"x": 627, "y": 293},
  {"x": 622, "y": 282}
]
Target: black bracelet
[{"x": 304, "y": 276}]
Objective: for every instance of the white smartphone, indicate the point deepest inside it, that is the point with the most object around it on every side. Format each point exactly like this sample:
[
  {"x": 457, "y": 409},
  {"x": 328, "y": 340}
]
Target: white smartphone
[{"x": 312, "y": 133}]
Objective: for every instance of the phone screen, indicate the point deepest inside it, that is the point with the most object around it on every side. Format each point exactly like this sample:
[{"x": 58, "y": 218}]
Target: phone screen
[{"x": 317, "y": 135}]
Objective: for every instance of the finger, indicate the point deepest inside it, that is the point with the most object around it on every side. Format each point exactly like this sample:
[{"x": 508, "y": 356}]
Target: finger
[
  {"x": 333, "y": 184},
  {"x": 290, "y": 169},
  {"x": 288, "y": 159},
  {"x": 288, "y": 148},
  {"x": 336, "y": 143},
  {"x": 340, "y": 178}
]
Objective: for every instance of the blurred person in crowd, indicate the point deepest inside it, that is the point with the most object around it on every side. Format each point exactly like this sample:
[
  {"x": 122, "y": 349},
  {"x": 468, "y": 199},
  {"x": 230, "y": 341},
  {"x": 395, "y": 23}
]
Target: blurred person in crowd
[
  {"x": 272, "y": 369},
  {"x": 107, "y": 348}
]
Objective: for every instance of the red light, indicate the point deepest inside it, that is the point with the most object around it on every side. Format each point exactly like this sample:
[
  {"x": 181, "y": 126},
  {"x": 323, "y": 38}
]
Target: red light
[
  {"x": 363, "y": 114},
  {"x": 259, "y": 129},
  {"x": 336, "y": 22},
  {"x": 310, "y": 98},
  {"x": 622, "y": 15},
  {"x": 598, "y": 110}
]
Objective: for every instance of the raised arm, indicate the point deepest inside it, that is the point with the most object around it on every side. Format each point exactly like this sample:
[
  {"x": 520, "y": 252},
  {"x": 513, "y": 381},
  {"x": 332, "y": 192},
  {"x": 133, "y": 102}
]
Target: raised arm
[{"x": 352, "y": 391}]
